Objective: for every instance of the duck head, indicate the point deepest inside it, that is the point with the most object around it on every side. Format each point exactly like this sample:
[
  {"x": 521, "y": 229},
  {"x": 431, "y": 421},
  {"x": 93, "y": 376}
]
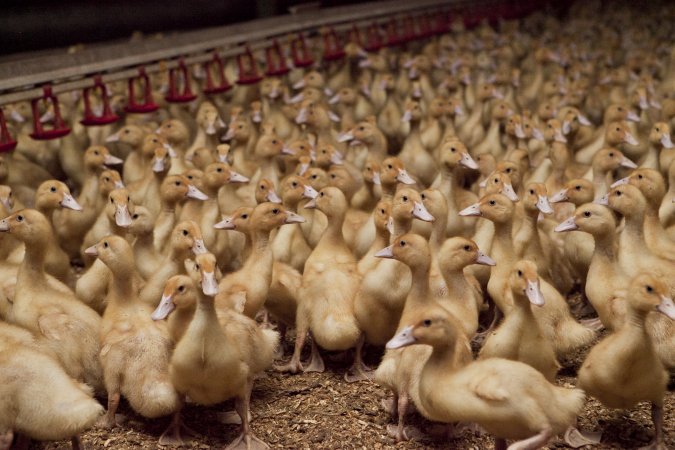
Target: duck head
[
  {"x": 592, "y": 218},
  {"x": 536, "y": 198},
  {"x": 625, "y": 199},
  {"x": 179, "y": 292},
  {"x": 52, "y": 194},
  {"x": 524, "y": 282},
  {"x": 577, "y": 191},
  {"x": 28, "y": 225},
  {"x": 407, "y": 204},
  {"x": 410, "y": 249},
  {"x": 458, "y": 252},
  {"x": 108, "y": 181},
  {"x": 648, "y": 293},
  {"x": 392, "y": 171},
  {"x": 453, "y": 153},
  {"x": 114, "y": 251},
  {"x": 98, "y": 157},
  {"x": 119, "y": 207},
  {"x": 494, "y": 207},
  {"x": 186, "y": 238},
  {"x": 265, "y": 192}
]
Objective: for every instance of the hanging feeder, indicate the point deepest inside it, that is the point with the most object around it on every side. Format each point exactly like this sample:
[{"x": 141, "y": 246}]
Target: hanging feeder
[
  {"x": 424, "y": 24},
  {"x": 148, "y": 104},
  {"x": 300, "y": 52},
  {"x": 248, "y": 69},
  {"x": 59, "y": 128},
  {"x": 354, "y": 36},
  {"x": 106, "y": 116},
  {"x": 409, "y": 33},
  {"x": 440, "y": 23},
  {"x": 393, "y": 37},
  {"x": 276, "y": 63},
  {"x": 373, "y": 38},
  {"x": 332, "y": 51},
  {"x": 7, "y": 142},
  {"x": 179, "y": 75},
  {"x": 211, "y": 67}
]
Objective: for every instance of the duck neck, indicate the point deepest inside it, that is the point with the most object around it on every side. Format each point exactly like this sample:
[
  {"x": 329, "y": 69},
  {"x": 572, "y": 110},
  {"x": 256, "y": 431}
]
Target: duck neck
[
  {"x": 503, "y": 241},
  {"x": 420, "y": 282},
  {"x": 438, "y": 230},
  {"x": 123, "y": 280},
  {"x": 635, "y": 321},
  {"x": 445, "y": 358},
  {"x": 401, "y": 226},
  {"x": 605, "y": 246},
  {"x": 634, "y": 225},
  {"x": 32, "y": 267},
  {"x": 333, "y": 232},
  {"x": 205, "y": 314}
]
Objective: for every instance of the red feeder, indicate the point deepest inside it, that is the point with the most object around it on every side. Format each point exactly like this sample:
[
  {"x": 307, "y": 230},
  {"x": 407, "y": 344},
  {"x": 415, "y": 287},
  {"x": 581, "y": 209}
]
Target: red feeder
[
  {"x": 300, "y": 52},
  {"x": 373, "y": 38},
  {"x": 409, "y": 33},
  {"x": 176, "y": 94},
  {"x": 60, "y": 129},
  {"x": 276, "y": 63},
  {"x": 354, "y": 36},
  {"x": 223, "y": 84},
  {"x": 148, "y": 104},
  {"x": 248, "y": 69},
  {"x": 107, "y": 116},
  {"x": 393, "y": 38},
  {"x": 7, "y": 142},
  {"x": 440, "y": 23},
  {"x": 332, "y": 50}
]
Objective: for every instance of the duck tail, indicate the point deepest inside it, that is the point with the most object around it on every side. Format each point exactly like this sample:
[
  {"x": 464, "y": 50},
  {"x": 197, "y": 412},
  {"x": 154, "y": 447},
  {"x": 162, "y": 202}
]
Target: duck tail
[
  {"x": 156, "y": 397},
  {"x": 269, "y": 347},
  {"x": 569, "y": 404},
  {"x": 574, "y": 335}
]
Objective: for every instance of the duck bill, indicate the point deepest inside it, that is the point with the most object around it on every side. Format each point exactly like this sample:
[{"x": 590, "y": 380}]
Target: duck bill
[
  {"x": 376, "y": 179},
  {"x": 520, "y": 134},
  {"x": 119, "y": 184},
  {"x": 229, "y": 135},
  {"x": 4, "y": 225},
  {"x": 170, "y": 149},
  {"x": 566, "y": 128},
  {"x": 256, "y": 117},
  {"x": 625, "y": 162},
  {"x": 296, "y": 98},
  {"x": 236, "y": 177},
  {"x": 387, "y": 252},
  {"x": 292, "y": 217},
  {"x": 543, "y": 205},
  {"x": 272, "y": 196},
  {"x": 632, "y": 117},
  {"x": 403, "y": 177},
  {"x": 509, "y": 192},
  {"x": 300, "y": 84},
  {"x": 198, "y": 247},
  {"x": 334, "y": 99},
  {"x": 164, "y": 308},
  {"x": 91, "y": 251},
  {"x": 110, "y": 160},
  {"x": 211, "y": 128},
  {"x": 287, "y": 151},
  {"x": 421, "y": 212},
  {"x": 209, "y": 284},
  {"x": 304, "y": 167},
  {"x": 485, "y": 260},
  {"x": 630, "y": 139},
  {"x": 458, "y": 110},
  {"x": 666, "y": 141},
  {"x": 195, "y": 193},
  {"x": 583, "y": 120},
  {"x": 311, "y": 204},
  {"x": 345, "y": 137},
  {"x": 407, "y": 115},
  {"x": 113, "y": 138},
  {"x": 225, "y": 224},
  {"x": 390, "y": 225},
  {"x": 560, "y": 196},
  {"x": 467, "y": 161},
  {"x": 559, "y": 137},
  {"x": 7, "y": 203},
  {"x": 122, "y": 216},
  {"x": 536, "y": 134},
  {"x": 16, "y": 116},
  {"x": 567, "y": 225},
  {"x": 336, "y": 159},
  {"x": 604, "y": 200},
  {"x": 667, "y": 307},
  {"x": 69, "y": 202},
  {"x": 534, "y": 294},
  {"x": 473, "y": 210},
  {"x": 402, "y": 339},
  {"x": 301, "y": 117},
  {"x": 623, "y": 180},
  {"x": 158, "y": 165},
  {"x": 310, "y": 192},
  {"x": 643, "y": 103}
]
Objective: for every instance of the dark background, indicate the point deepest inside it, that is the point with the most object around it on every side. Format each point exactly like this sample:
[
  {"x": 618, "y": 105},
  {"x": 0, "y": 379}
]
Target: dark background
[{"x": 27, "y": 25}]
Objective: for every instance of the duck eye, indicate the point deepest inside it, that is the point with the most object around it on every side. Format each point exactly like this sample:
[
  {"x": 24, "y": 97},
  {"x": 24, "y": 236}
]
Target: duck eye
[
  {"x": 649, "y": 289},
  {"x": 617, "y": 129},
  {"x": 508, "y": 170},
  {"x": 52, "y": 189},
  {"x": 294, "y": 184},
  {"x": 275, "y": 211},
  {"x": 181, "y": 288},
  {"x": 618, "y": 193},
  {"x": 611, "y": 154},
  {"x": 111, "y": 200},
  {"x": 657, "y": 130},
  {"x": 105, "y": 244},
  {"x": 382, "y": 211},
  {"x": 245, "y": 216},
  {"x": 128, "y": 199},
  {"x": 587, "y": 214},
  {"x": 467, "y": 248},
  {"x": 177, "y": 183},
  {"x": 402, "y": 243},
  {"x": 639, "y": 177},
  {"x": 96, "y": 152},
  {"x": 452, "y": 149},
  {"x": 135, "y": 216},
  {"x": 427, "y": 323},
  {"x": 577, "y": 187},
  {"x": 19, "y": 218},
  {"x": 219, "y": 170},
  {"x": 185, "y": 232},
  {"x": 520, "y": 273},
  {"x": 127, "y": 131},
  {"x": 389, "y": 166},
  {"x": 492, "y": 202},
  {"x": 531, "y": 191},
  {"x": 321, "y": 194},
  {"x": 496, "y": 180},
  {"x": 363, "y": 129},
  {"x": 423, "y": 196}
]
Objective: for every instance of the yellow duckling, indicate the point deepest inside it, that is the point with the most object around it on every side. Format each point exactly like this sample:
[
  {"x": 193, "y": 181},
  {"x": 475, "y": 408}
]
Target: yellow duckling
[
  {"x": 519, "y": 337},
  {"x": 135, "y": 350},
  {"x": 511, "y": 400},
  {"x": 624, "y": 368}
]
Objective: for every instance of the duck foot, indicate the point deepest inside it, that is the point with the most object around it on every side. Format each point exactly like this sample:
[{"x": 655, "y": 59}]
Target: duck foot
[
  {"x": 76, "y": 443},
  {"x": 654, "y": 446},
  {"x": 401, "y": 433},
  {"x": 442, "y": 432},
  {"x": 173, "y": 435},
  {"x": 231, "y": 417},
  {"x": 534, "y": 442},
  {"x": 247, "y": 442},
  {"x": 292, "y": 367},
  {"x": 108, "y": 422},
  {"x": 594, "y": 324},
  {"x": 355, "y": 374},
  {"x": 576, "y": 438},
  {"x": 315, "y": 361},
  {"x": 6, "y": 440}
]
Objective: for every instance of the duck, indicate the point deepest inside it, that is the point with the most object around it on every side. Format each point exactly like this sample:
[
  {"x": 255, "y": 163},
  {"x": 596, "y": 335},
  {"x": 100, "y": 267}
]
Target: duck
[
  {"x": 146, "y": 257},
  {"x": 617, "y": 133},
  {"x": 452, "y": 388},
  {"x": 242, "y": 137},
  {"x": 369, "y": 193},
  {"x": 367, "y": 134},
  {"x": 624, "y": 368},
  {"x": 249, "y": 286},
  {"x": 381, "y": 214},
  {"x": 414, "y": 154},
  {"x": 40, "y": 400},
  {"x": 135, "y": 350},
  {"x": 177, "y": 137},
  {"x": 290, "y": 245},
  {"x": 604, "y": 275},
  {"x": 605, "y": 162},
  {"x": 113, "y": 219},
  {"x": 134, "y": 137},
  {"x": 217, "y": 357},
  {"x": 328, "y": 315},
  {"x": 184, "y": 240},
  {"x": 660, "y": 138},
  {"x": 519, "y": 337},
  {"x": 146, "y": 191},
  {"x": 63, "y": 326}
]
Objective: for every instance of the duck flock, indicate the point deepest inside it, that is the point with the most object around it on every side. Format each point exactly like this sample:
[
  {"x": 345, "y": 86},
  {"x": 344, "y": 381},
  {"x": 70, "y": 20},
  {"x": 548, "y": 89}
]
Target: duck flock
[{"x": 407, "y": 200}]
